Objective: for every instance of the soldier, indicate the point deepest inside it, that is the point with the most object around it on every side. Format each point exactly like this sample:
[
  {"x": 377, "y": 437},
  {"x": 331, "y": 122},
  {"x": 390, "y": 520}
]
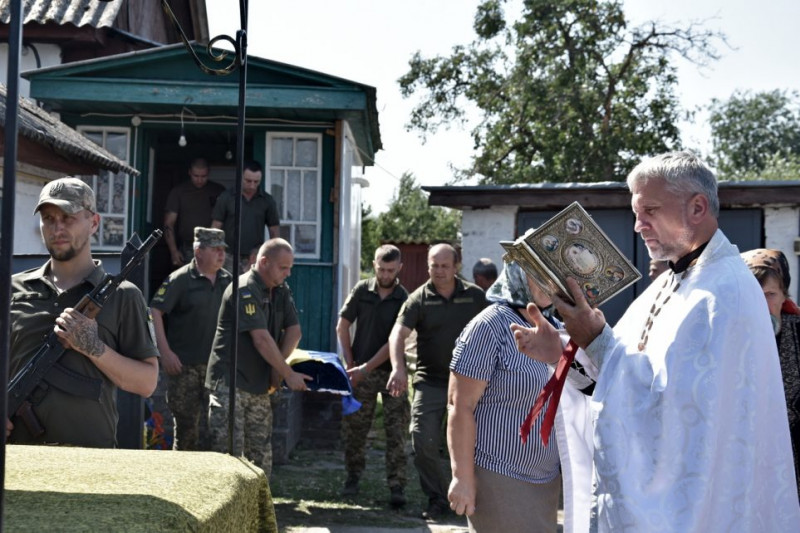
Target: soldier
[
  {"x": 188, "y": 206},
  {"x": 115, "y": 348},
  {"x": 259, "y": 210},
  {"x": 373, "y": 304},
  {"x": 190, "y": 298},
  {"x": 484, "y": 272},
  {"x": 268, "y": 333},
  {"x": 438, "y": 310}
]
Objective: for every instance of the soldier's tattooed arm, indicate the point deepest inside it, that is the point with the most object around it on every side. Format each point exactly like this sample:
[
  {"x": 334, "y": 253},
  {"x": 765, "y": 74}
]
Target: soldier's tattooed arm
[
  {"x": 80, "y": 332},
  {"x": 138, "y": 376}
]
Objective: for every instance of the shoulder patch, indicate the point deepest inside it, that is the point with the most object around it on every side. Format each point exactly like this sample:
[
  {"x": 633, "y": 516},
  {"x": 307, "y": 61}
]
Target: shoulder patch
[
  {"x": 151, "y": 328},
  {"x": 162, "y": 290},
  {"x": 245, "y": 294}
]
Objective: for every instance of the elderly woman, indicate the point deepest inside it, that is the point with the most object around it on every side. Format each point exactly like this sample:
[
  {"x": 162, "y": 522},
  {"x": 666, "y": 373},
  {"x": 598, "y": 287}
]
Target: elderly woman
[
  {"x": 771, "y": 269},
  {"x": 500, "y": 483}
]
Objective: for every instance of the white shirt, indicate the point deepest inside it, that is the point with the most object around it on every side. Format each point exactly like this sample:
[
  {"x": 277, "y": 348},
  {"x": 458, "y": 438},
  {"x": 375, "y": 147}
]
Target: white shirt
[{"x": 692, "y": 435}]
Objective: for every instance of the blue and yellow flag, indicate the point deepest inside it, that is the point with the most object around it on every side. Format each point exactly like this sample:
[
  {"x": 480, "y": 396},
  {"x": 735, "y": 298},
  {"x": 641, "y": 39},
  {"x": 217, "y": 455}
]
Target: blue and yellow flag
[{"x": 328, "y": 373}]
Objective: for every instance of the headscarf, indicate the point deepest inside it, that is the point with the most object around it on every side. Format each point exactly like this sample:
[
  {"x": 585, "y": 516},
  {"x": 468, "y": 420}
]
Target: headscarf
[
  {"x": 511, "y": 287},
  {"x": 776, "y": 261}
]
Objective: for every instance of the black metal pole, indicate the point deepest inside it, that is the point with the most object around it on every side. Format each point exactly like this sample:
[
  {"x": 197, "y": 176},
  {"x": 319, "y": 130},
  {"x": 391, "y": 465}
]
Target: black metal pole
[
  {"x": 7, "y": 218},
  {"x": 241, "y": 49}
]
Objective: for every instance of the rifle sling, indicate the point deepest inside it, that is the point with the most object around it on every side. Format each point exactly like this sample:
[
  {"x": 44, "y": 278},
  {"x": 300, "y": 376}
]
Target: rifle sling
[{"x": 74, "y": 383}]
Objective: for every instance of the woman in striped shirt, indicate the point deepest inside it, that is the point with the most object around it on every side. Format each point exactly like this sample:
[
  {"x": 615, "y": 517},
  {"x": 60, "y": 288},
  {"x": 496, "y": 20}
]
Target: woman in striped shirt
[{"x": 500, "y": 483}]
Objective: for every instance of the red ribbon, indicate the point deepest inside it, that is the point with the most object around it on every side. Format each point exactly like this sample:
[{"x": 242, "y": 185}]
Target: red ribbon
[{"x": 551, "y": 391}]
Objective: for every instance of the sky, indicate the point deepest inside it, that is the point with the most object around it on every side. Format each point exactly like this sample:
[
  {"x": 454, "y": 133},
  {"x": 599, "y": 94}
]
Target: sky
[{"x": 371, "y": 41}]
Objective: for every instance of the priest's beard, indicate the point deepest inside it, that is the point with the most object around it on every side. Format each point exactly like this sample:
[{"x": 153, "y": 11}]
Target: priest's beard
[{"x": 681, "y": 245}]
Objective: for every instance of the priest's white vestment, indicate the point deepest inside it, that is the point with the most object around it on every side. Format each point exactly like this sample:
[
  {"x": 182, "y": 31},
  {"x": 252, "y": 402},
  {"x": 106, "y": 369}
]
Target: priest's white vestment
[{"x": 691, "y": 433}]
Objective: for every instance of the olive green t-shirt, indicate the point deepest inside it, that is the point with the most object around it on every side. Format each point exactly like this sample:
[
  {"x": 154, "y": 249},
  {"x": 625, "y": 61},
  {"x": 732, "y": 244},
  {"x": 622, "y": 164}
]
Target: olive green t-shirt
[
  {"x": 374, "y": 318},
  {"x": 123, "y": 324},
  {"x": 191, "y": 305},
  {"x": 259, "y": 308},
  {"x": 438, "y": 322},
  {"x": 258, "y": 213}
]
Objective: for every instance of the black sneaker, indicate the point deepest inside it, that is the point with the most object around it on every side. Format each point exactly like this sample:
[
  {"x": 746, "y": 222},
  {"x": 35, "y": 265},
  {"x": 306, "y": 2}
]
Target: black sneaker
[
  {"x": 350, "y": 486},
  {"x": 396, "y": 497},
  {"x": 436, "y": 509}
]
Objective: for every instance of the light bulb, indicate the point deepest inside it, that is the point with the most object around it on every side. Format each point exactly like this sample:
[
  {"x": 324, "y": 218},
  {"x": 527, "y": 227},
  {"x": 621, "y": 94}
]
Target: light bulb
[{"x": 182, "y": 141}]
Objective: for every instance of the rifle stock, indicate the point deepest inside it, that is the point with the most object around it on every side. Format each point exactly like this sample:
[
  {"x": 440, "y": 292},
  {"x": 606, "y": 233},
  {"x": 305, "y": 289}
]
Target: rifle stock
[{"x": 30, "y": 377}]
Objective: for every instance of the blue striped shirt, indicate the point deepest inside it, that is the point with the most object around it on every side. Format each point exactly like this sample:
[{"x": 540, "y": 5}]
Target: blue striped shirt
[{"x": 486, "y": 351}]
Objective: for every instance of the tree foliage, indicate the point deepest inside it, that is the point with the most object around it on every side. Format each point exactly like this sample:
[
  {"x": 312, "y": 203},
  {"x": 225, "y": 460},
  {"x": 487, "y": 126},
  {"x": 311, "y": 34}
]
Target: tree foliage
[
  {"x": 567, "y": 92},
  {"x": 752, "y": 133},
  {"x": 408, "y": 219},
  {"x": 369, "y": 237},
  {"x": 776, "y": 168}
]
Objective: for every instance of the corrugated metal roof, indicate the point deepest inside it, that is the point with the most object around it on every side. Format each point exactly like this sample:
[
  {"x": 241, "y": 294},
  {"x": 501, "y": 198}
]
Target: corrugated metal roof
[
  {"x": 39, "y": 126},
  {"x": 77, "y": 12}
]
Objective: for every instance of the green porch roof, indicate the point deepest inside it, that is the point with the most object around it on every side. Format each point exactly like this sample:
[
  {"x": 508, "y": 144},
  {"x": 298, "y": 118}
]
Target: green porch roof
[{"x": 166, "y": 79}]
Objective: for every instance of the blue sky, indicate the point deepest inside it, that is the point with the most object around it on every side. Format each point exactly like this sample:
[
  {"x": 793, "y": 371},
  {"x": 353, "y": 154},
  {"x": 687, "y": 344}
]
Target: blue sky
[{"x": 370, "y": 41}]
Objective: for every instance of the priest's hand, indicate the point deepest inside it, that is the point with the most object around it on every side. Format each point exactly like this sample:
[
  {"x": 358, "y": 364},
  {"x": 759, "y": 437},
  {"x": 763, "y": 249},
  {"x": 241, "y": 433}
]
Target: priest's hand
[
  {"x": 541, "y": 342},
  {"x": 582, "y": 322}
]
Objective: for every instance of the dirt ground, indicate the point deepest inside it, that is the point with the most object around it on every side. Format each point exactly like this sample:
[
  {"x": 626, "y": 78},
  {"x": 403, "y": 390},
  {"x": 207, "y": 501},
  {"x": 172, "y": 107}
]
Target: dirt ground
[{"x": 306, "y": 494}]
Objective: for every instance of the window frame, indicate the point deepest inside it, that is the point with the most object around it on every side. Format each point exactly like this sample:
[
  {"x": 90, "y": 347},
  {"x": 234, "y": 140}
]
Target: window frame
[
  {"x": 285, "y": 223},
  {"x": 92, "y": 179}
]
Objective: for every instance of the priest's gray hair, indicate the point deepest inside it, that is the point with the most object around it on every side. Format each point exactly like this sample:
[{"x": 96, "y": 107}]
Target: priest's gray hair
[{"x": 684, "y": 172}]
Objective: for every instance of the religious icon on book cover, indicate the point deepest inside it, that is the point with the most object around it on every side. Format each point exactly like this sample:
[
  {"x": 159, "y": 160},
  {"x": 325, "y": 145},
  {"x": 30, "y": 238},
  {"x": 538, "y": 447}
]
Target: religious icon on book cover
[{"x": 571, "y": 244}]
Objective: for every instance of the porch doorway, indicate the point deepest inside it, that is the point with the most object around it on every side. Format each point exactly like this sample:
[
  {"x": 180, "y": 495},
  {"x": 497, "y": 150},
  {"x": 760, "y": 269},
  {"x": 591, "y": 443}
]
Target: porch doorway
[{"x": 170, "y": 167}]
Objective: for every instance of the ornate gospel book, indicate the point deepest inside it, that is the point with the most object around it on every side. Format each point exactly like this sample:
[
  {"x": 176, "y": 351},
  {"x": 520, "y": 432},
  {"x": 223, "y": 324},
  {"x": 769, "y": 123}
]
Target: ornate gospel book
[{"x": 571, "y": 244}]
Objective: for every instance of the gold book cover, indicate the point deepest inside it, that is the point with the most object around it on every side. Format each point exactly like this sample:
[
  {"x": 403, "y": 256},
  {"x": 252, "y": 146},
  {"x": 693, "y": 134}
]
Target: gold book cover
[{"x": 571, "y": 244}]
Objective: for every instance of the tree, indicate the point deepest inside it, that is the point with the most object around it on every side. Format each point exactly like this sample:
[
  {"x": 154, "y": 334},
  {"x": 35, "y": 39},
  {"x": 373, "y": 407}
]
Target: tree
[
  {"x": 751, "y": 133},
  {"x": 410, "y": 218},
  {"x": 568, "y": 92},
  {"x": 370, "y": 239}
]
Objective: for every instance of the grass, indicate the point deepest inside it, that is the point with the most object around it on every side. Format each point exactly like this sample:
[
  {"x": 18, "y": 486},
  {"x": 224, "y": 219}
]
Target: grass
[{"x": 306, "y": 492}]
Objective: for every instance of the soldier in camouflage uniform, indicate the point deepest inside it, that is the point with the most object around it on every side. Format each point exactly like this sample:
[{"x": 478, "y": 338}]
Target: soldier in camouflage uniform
[
  {"x": 374, "y": 304},
  {"x": 190, "y": 298},
  {"x": 268, "y": 333}
]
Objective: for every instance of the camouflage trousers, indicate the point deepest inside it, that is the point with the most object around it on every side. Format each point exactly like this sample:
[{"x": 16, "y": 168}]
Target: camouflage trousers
[
  {"x": 187, "y": 398},
  {"x": 395, "y": 422},
  {"x": 252, "y": 433}
]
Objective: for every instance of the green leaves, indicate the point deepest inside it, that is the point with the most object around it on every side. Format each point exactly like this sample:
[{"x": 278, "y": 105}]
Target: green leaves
[
  {"x": 409, "y": 219},
  {"x": 565, "y": 92},
  {"x": 757, "y": 132}
]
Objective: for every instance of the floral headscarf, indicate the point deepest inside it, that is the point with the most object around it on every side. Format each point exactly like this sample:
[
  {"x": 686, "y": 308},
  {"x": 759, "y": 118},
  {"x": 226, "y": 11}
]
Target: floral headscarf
[
  {"x": 776, "y": 261},
  {"x": 511, "y": 287}
]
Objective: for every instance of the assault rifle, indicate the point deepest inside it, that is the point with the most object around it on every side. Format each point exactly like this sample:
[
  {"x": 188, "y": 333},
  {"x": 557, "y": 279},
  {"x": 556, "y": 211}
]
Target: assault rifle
[{"x": 44, "y": 367}]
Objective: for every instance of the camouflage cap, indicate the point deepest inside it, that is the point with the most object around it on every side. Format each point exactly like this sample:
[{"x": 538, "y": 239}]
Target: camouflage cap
[
  {"x": 210, "y": 237},
  {"x": 70, "y": 194}
]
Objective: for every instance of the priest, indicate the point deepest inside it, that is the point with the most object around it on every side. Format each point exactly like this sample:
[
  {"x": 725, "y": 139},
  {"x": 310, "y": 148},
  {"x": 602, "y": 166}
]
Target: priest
[{"x": 690, "y": 426}]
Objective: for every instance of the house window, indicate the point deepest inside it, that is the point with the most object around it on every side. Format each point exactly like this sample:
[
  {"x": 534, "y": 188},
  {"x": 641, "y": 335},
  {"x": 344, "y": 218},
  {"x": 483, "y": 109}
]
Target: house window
[
  {"x": 111, "y": 189},
  {"x": 294, "y": 165}
]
